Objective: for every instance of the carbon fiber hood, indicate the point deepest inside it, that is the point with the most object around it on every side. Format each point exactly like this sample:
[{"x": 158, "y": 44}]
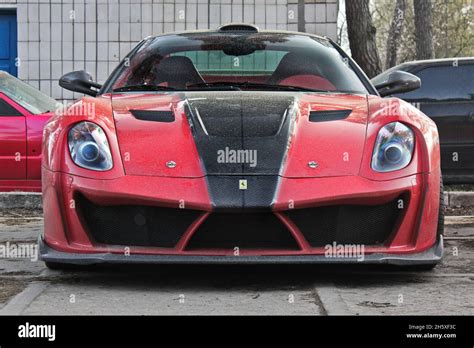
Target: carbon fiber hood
[{"x": 241, "y": 134}]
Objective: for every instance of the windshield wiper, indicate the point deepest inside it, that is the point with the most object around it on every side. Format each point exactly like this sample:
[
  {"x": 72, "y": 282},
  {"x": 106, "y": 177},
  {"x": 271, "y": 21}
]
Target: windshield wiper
[
  {"x": 143, "y": 88},
  {"x": 217, "y": 86},
  {"x": 220, "y": 85},
  {"x": 248, "y": 84}
]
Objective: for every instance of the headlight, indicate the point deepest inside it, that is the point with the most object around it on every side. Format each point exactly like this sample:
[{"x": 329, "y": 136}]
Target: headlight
[
  {"x": 393, "y": 148},
  {"x": 89, "y": 147}
]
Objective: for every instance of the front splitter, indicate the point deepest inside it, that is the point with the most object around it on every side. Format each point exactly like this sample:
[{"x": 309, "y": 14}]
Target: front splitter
[{"x": 430, "y": 256}]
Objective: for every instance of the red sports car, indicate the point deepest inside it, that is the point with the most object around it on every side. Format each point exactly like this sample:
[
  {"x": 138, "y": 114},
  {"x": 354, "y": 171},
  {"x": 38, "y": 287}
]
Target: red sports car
[
  {"x": 241, "y": 146},
  {"x": 23, "y": 113}
]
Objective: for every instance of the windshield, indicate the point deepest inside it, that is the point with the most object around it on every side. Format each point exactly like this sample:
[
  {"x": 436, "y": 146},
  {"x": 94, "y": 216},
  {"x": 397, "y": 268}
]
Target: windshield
[
  {"x": 265, "y": 61},
  {"x": 28, "y": 97}
]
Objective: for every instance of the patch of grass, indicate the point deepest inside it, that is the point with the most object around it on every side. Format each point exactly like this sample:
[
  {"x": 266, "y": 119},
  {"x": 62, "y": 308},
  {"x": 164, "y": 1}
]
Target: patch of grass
[{"x": 9, "y": 288}]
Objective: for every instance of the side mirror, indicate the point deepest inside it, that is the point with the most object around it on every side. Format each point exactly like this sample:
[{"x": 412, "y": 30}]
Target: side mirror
[
  {"x": 80, "y": 81},
  {"x": 396, "y": 82}
]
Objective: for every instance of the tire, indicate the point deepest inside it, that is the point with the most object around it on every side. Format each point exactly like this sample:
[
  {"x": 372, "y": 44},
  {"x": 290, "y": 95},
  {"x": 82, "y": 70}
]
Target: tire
[
  {"x": 442, "y": 211},
  {"x": 422, "y": 268},
  {"x": 56, "y": 266}
]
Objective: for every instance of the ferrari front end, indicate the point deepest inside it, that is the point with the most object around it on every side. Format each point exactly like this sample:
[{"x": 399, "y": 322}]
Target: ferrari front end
[{"x": 234, "y": 173}]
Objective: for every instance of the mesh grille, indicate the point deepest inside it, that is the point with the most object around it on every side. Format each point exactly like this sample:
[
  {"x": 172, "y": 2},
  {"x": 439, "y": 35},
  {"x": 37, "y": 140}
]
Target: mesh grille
[
  {"x": 346, "y": 224},
  {"x": 133, "y": 225},
  {"x": 243, "y": 230}
]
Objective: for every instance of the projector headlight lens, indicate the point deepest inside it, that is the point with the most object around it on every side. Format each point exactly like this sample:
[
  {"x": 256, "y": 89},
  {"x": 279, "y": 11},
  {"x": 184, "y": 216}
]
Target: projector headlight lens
[
  {"x": 393, "y": 148},
  {"x": 89, "y": 147}
]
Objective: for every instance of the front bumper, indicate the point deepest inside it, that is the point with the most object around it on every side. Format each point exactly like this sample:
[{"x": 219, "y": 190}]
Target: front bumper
[
  {"x": 431, "y": 256},
  {"x": 67, "y": 231}
]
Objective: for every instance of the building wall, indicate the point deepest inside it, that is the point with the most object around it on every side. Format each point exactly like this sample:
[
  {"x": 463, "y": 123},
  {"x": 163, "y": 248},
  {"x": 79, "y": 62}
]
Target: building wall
[{"x": 59, "y": 36}]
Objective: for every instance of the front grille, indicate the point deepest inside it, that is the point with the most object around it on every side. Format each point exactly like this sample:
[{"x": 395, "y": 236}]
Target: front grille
[
  {"x": 346, "y": 224},
  {"x": 134, "y": 225},
  {"x": 242, "y": 230},
  {"x": 137, "y": 225}
]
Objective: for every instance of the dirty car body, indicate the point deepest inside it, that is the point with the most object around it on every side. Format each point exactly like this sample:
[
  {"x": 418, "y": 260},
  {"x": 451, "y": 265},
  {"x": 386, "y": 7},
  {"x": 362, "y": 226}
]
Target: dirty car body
[{"x": 236, "y": 146}]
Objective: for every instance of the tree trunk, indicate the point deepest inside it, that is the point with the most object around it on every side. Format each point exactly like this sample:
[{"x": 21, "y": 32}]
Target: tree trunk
[
  {"x": 395, "y": 33},
  {"x": 423, "y": 29},
  {"x": 361, "y": 34}
]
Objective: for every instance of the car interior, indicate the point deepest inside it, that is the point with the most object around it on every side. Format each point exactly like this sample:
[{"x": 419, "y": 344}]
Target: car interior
[{"x": 178, "y": 72}]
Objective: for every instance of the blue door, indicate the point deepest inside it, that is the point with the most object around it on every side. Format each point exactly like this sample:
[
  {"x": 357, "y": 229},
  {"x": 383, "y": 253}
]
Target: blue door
[{"x": 8, "y": 42}]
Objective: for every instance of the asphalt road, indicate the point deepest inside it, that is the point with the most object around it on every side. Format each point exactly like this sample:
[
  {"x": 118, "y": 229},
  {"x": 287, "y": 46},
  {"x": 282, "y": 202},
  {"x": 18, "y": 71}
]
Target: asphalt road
[{"x": 27, "y": 287}]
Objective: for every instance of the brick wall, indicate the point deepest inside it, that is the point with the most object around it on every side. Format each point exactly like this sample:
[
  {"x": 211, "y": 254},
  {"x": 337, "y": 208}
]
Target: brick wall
[{"x": 58, "y": 36}]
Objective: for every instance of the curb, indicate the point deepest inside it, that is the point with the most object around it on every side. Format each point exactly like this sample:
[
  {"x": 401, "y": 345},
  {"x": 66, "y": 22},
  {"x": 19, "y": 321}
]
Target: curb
[
  {"x": 332, "y": 301},
  {"x": 21, "y": 301},
  {"x": 459, "y": 220},
  {"x": 32, "y": 200},
  {"x": 25, "y": 200},
  {"x": 460, "y": 199}
]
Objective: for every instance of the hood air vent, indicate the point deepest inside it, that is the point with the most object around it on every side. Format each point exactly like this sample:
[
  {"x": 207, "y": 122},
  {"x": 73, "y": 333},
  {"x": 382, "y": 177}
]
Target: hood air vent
[
  {"x": 151, "y": 115},
  {"x": 328, "y": 115}
]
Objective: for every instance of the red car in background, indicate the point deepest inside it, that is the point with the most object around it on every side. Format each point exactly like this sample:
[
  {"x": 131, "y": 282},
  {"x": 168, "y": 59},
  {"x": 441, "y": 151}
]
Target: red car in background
[{"x": 23, "y": 113}]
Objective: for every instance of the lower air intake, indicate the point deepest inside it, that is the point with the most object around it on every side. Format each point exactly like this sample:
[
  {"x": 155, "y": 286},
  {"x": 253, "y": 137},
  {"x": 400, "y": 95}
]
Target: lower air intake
[
  {"x": 346, "y": 224},
  {"x": 242, "y": 230},
  {"x": 135, "y": 225}
]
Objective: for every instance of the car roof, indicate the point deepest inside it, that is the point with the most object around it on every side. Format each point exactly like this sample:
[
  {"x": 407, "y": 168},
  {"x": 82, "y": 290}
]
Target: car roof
[
  {"x": 436, "y": 61},
  {"x": 257, "y": 31}
]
